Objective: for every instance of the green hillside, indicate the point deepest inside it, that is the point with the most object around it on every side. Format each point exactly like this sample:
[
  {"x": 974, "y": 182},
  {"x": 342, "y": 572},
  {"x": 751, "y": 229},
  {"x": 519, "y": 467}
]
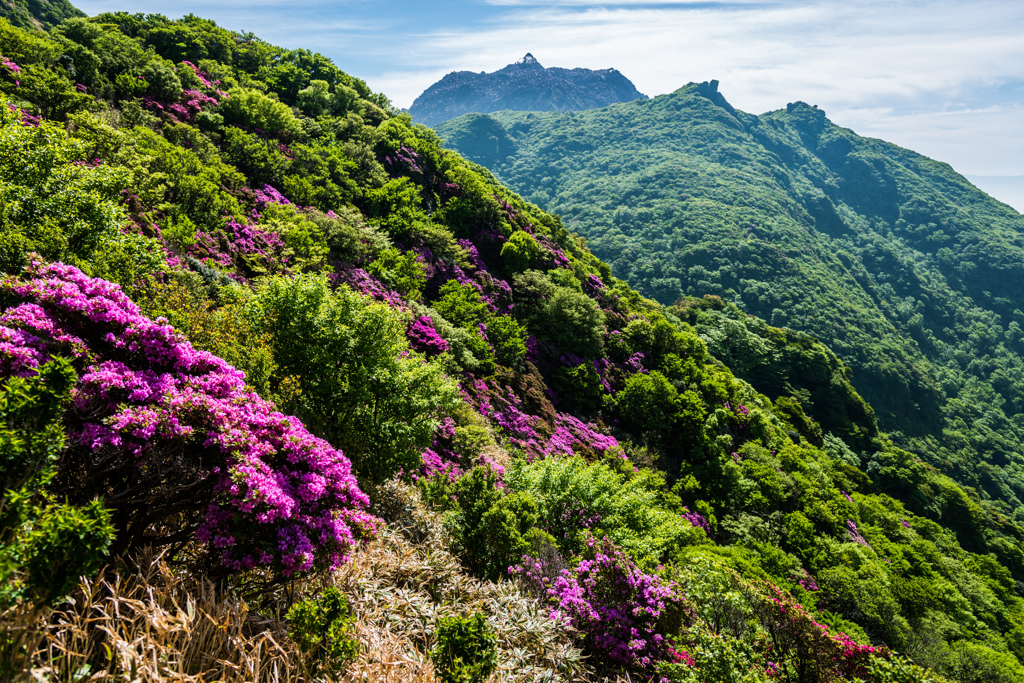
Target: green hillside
[
  {"x": 291, "y": 392},
  {"x": 894, "y": 261},
  {"x": 36, "y": 14}
]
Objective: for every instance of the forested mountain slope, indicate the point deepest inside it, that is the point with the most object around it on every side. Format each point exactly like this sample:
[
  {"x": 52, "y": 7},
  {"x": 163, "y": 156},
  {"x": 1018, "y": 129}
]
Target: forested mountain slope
[
  {"x": 32, "y": 14},
  {"x": 525, "y": 85},
  {"x": 909, "y": 273},
  {"x": 291, "y": 392}
]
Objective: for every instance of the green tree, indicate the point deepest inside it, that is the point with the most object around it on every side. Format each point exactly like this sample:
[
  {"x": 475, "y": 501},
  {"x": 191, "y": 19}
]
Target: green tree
[{"x": 359, "y": 388}]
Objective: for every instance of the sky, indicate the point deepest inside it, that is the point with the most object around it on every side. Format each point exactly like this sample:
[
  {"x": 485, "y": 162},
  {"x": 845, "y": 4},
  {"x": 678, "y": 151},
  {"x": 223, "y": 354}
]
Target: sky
[{"x": 944, "y": 78}]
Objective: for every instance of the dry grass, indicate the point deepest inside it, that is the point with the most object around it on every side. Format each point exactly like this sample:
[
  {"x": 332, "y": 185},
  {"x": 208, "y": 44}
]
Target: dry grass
[
  {"x": 403, "y": 583},
  {"x": 148, "y": 623},
  {"x": 152, "y": 625}
]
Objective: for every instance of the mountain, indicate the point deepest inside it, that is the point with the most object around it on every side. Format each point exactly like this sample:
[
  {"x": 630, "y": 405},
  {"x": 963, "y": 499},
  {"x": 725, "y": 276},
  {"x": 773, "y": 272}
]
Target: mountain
[
  {"x": 281, "y": 371},
  {"x": 33, "y": 14},
  {"x": 522, "y": 86},
  {"x": 896, "y": 262}
]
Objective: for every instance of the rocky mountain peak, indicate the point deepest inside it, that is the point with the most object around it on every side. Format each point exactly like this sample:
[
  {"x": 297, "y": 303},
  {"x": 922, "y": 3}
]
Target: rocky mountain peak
[{"x": 524, "y": 85}]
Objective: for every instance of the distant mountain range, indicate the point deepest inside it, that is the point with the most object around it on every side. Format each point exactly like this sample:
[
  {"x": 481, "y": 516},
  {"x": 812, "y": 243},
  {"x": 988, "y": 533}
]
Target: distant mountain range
[
  {"x": 523, "y": 86},
  {"x": 907, "y": 271}
]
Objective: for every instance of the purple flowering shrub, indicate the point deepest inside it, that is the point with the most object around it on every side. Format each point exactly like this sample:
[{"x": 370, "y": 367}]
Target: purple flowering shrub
[
  {"x": 564, "y": 435},
  {"x": 628, "y": 619},
  {"x": 423, "y": 336},
  {"x": 254, "y": 246},
  {"x": 169, "y": 436},
  {"x": 360, "y": 281}
]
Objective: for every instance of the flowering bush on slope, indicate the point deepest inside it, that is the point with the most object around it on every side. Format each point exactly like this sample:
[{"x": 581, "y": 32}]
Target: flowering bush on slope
[
  {"x": 171, "y": 438},
  {"x": 628, "y": 618}
]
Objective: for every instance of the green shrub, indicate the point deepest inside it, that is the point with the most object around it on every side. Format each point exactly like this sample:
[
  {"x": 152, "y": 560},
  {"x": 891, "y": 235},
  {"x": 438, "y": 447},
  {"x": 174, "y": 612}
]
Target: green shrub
[
  {"x": 521, "y": 251},
  {"x": 251, "y": 109},
  {"x": 357, "y": 388},
  {"x": 576, "y": 499},
  {"x": 508, "y": 338},
  {"x": 494, "y": 529},
  {"x": 45, "y": 546},
  {"x": 466, "y": 650},
  {"x": 164, "y": 83},
  {"x": 323, "y": 628}
]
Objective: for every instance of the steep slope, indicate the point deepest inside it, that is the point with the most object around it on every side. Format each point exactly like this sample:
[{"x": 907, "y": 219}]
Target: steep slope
[
  {"x": 411, "y": 329},
  {"x": 34, "y": 14},
  {"x": 522, "y": 86},
  {"x": 893, "y": 260}
]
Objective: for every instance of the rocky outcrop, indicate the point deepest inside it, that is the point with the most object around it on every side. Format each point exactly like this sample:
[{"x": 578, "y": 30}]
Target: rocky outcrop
[{"x": 525, "y": 85}]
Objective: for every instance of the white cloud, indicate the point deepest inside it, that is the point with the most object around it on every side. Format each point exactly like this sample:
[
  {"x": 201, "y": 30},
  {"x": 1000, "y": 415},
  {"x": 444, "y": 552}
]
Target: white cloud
[
  {"x": 987, "y": 141},
  {"x": 883, "y": 67},
  {"x": 854, "y": 58}
]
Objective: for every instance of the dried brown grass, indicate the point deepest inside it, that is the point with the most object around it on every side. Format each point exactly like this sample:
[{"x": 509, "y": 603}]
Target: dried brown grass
[
  {"x": 406, "y": 580},
  {"x": 147, "y": 623}
]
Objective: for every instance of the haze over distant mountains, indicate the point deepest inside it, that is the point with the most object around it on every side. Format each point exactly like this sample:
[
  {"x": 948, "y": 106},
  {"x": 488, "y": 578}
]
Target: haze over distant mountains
[{"x": 525, "y": 85}]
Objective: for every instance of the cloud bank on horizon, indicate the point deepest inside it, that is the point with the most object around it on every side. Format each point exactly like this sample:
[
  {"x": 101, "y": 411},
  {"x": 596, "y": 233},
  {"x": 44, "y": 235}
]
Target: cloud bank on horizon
[{"x": 942, "y": 77}]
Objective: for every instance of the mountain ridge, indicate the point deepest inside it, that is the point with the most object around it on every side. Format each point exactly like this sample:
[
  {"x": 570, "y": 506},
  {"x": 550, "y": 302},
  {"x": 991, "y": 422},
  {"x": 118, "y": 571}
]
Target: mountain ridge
[
  {"x": 256, "y": 318},
  {"x": 888, "y": 257},
  {"x": 524, "y": 85}
]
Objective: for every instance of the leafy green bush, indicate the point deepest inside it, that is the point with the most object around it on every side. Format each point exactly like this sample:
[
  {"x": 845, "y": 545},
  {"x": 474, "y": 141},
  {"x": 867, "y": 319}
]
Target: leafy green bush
[
  {"x": 45, "y": 545},
  {"x": 576, "y": 500},
  {"x": 50, "y": 201},
  {"x": 492, "y": 529},
  {"x": 323, "y": 627},
  {"x": 508, "y": 338},
  {"x": 358, "y": 390},
  {"x": 251, "y": 109},
  {"x": 466, "y": 650}
]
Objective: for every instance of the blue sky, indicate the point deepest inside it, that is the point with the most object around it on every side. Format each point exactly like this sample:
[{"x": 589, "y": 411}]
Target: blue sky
[{"x": 943, "y": 78}]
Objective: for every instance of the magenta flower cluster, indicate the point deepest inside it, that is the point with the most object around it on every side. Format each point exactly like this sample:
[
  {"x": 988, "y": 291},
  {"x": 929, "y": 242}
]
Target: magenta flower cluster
[
  {"x": 204, "y": 78},
  {"x": 25, "y": 118},
  {"x": 362, "y": 282},
  {"x": 223, "y": 247},
  {"x": 14, "y": 68},
  {"x": 423, "y": 336},
  {"x": 854, "y": 533},
  {"x": 697, "y": 520},
  {"x": 570, "y": 432},
  {"x": 530, "y": 432},
  {"x": 281, "y": 497},
  {"x": 190, "y": 103},
  {"x": 403, "y": 160},
  {"x": 807, "y": 581},
  {"x": 628, "y": 618},
  {"x": 268, "y": 195}
]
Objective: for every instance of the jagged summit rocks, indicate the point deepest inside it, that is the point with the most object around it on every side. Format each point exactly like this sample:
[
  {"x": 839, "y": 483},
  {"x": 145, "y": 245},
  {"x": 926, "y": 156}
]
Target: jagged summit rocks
[{"x": 525, "y": 85}]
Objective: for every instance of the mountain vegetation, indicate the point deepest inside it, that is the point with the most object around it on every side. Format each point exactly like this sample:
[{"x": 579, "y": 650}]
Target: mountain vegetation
[
  {"x": 292, "y": 392},
  {"x": 36, "y": 14},
  {"x": 523, "y": 86},
  {"x": 892, "y": 260}
]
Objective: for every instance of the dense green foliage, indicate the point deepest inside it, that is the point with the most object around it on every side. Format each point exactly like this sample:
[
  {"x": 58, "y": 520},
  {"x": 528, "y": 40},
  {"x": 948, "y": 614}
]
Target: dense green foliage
[
  {"x": 894, "y": 261},
  {"x": 465, "y": 649},
  {"x": 33, "y": 14},
  {"x": 322, "y": 626},
  {"x": 45, "y": 543},
  {"x": 415, "y": 313}
]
